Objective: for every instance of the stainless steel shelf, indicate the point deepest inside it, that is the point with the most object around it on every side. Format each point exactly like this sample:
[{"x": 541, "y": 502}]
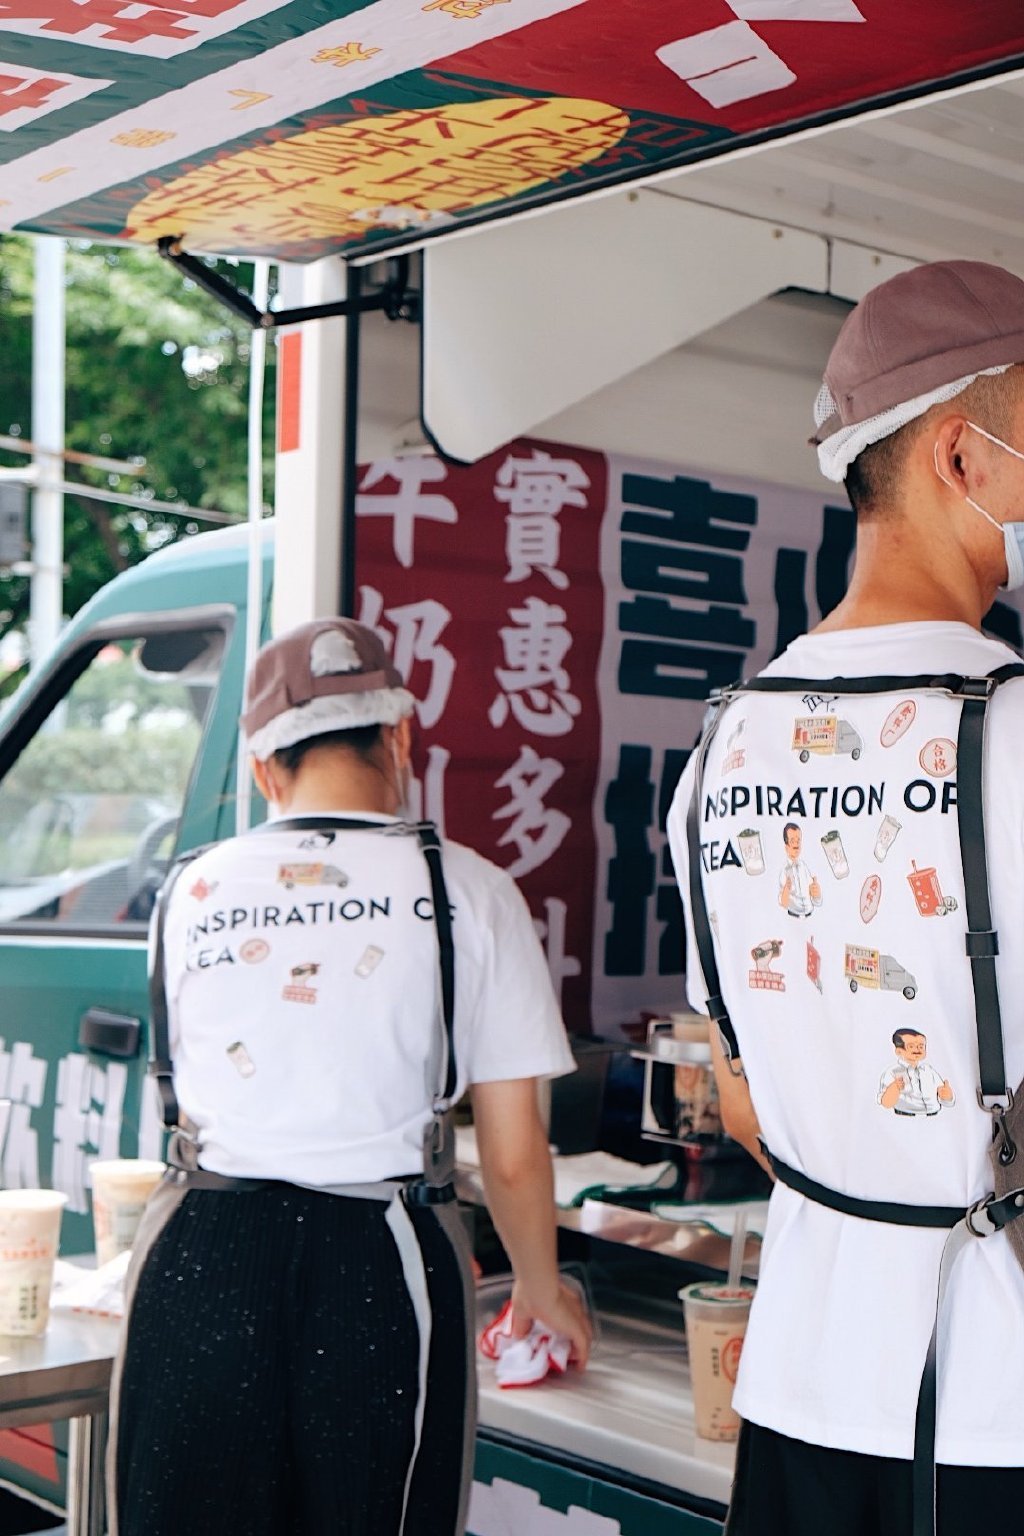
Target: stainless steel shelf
[{"x": 693, "y": 1241}]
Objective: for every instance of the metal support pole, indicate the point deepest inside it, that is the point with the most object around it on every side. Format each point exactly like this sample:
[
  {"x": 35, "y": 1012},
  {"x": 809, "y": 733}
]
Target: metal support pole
[
  {"x": 350, "y": 449},
  {"x": 254, "y": 583},
  {"x": 87, "y": 1445},
  {"x": 46, "y": 602}
]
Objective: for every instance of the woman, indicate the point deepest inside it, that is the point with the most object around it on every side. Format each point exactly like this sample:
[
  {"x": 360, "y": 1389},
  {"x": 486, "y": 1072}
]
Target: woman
[{"x": 298, "y": 1353}]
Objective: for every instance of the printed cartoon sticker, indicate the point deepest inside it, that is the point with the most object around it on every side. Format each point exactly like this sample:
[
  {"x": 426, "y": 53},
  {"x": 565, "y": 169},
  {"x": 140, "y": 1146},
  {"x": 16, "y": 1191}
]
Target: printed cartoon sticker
[
  {"x": 870, "y": 897},
  {"x": 888, "y": 832},
  {"x": 322, "y": 839},
  {"x": 291, "y": 875},
  {"x": 825, "y": 738},
  {"x": 814, "y": 965},
  {"x": 898, "y": 723},
  {"x": 815, "y": 701},
  {"x": 762, "y": 978},
  {"x": 735, "y": 755},
  {"x": 298, "y": 989},
  {"x": 799, "y": 889},
  {"x": 835, "y": 853},
  {"x": 253, "y": 951},
  {"x": 938, "y": 757},
  {"x": 928, "y": 894},
  {"x": 369, "y": 960},
  {"x": 879, "y": 973},
  {"x": 751, "y": 851},
  {"x": 240, "y": 1059},
  {"x": 203, "y": 888},
  {"x": 912, "y": 1086}
]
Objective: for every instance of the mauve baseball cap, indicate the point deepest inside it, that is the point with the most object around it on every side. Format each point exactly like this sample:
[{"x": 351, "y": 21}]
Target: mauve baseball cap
[
  {"x": 327, "y": 675},
  {"x": 918, "y": 331}
]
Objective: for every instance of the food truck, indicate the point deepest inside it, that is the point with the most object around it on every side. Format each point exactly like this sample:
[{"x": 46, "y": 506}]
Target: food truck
[
  {"x": 879, "y": 973},
  {"x": 825, "y": 736},
  {"x": 582, "y": 496}
]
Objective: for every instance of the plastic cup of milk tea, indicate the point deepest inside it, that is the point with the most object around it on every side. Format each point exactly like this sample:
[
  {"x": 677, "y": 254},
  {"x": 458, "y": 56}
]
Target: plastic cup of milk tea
[
  {"x": 716, "y": 1325},
  {"x": 887, "y": 835},
  {"x": 751, "y": 851},
  {"x": 120, "y": 1190},
  {"x": 29, "y": 1234},
  {"x": 832, "y": 848}
]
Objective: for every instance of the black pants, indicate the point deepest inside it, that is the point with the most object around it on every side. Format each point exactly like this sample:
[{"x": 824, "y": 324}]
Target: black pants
[
  {"x": 784, "y": 1487},
  {"x": 271, "y": 1373}
]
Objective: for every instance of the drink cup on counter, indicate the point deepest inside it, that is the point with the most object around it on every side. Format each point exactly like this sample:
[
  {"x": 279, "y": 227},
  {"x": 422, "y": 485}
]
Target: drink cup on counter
[
  {"x": 716, "y": 1323},
  {"x": 29, "y": 1234},
  {"x": 120, "y": 1189}
]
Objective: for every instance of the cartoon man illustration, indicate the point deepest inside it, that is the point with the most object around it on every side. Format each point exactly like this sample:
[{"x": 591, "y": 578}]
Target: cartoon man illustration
[
  {"x": 799, "y": 890},
  {"x": 912, "y": 1086}
]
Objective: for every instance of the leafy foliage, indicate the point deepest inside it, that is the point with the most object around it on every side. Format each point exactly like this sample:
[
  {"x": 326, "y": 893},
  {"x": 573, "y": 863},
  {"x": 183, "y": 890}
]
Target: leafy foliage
[{"x": 156, "y": 374}]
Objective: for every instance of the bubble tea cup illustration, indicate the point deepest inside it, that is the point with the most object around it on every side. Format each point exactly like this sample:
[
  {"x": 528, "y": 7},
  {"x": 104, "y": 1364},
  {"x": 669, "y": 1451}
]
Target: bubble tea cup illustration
[
  {"x": 887, "y": 835},
  {"x": 751, "y": 851},
  {"x": 835, "y": 853}
]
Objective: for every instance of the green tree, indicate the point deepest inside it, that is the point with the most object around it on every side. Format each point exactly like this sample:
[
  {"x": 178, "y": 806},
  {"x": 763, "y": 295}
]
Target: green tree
[{"x": 157, "y": 375}]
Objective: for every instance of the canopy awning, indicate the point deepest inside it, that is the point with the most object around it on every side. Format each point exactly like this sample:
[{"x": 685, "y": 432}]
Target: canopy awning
[{"x": 283, "y": 128}]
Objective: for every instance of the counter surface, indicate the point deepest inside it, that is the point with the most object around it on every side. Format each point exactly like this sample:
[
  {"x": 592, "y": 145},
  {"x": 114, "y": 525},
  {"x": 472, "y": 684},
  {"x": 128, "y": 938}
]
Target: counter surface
[{"x": 631, "y": 1410}]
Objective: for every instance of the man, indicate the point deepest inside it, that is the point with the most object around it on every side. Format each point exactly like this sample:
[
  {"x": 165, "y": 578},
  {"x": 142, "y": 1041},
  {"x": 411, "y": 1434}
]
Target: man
[
  {"x": 922, "y": 417},
  {"x": 799, "y": 890},
  {"x": 912, "y": 1086}
]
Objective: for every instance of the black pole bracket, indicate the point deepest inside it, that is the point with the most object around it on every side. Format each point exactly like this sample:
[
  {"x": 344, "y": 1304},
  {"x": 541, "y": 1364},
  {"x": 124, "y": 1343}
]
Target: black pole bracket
[{"x": 396, "y": 299}]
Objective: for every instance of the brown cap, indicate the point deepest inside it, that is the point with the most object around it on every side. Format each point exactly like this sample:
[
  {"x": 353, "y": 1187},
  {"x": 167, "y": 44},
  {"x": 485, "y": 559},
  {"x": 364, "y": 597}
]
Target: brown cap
[
  {"x": 919, "y": 331},
  {"x": 328, "y": 675}
]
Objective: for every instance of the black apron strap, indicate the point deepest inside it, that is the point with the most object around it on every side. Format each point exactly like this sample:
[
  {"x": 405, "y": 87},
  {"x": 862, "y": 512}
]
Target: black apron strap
[
  {"x": 698, "y": 901},
  {"x": 161, "y": 1067},
  {"x": 889, "y": 1211}
]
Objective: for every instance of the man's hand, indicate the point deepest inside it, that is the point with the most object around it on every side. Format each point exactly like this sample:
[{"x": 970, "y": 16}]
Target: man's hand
[
  {"x": 945, "y": 1093},
  {"x": 786, "y": 892},
  {"x": 815, "y": 889},
  {"x": 892, "y": 1093},
  {"x": 562, "y": 1312}
]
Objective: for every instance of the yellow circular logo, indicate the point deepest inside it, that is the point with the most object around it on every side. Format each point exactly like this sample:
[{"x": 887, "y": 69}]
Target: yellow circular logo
[{"x": 406, "y": 171}]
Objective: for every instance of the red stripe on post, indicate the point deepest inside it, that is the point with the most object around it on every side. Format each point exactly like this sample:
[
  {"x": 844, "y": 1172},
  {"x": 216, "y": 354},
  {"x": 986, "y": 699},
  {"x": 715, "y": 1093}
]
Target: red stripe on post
[{"x": 289, "y": 391}]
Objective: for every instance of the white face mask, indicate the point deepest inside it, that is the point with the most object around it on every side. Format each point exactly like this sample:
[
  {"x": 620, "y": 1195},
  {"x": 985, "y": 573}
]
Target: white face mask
[{"x": 1012, "y": 532}]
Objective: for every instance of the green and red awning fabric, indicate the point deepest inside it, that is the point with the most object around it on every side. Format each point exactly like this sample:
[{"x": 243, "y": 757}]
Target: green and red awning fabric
[{"x": 297, "y": 129}]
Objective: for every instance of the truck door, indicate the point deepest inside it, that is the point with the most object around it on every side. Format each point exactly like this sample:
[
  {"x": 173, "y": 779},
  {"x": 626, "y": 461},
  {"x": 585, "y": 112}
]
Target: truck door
[{"x": 110, "y": 765}]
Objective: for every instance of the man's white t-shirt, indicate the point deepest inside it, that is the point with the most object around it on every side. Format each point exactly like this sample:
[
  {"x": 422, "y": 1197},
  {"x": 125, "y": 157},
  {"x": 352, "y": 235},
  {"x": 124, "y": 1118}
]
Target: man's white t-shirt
[
  {"x": 303, "y": 994},
  {"x": 856, "y": 1024}
]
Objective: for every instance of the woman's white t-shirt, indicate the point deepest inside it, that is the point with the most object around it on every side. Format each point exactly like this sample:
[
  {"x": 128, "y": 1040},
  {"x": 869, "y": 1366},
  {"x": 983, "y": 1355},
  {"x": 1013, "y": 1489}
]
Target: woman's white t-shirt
[
  {"x": 832, "y": 869},
  {"x": 303, "y": 994}
]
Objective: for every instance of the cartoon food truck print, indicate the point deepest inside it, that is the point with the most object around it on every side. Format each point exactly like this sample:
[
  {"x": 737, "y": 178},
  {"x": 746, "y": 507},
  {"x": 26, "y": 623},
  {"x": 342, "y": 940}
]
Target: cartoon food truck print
[
  {"x": 291, "y": 875},
  {"x": 825, "y": 737},
  {"x": 880, "y": 973},
  {"x": 928, "y": 893}
]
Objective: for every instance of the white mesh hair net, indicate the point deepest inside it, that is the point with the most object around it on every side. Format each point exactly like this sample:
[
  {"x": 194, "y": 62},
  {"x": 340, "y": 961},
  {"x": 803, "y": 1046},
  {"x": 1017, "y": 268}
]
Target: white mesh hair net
[{"x": 837, "y": 453}]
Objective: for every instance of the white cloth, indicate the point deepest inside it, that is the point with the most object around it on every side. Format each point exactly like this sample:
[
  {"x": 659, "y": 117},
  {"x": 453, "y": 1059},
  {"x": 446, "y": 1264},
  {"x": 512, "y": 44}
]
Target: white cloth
[
  {"x": 302, "y": 984},
  {"x": 845, "y": 1307}
]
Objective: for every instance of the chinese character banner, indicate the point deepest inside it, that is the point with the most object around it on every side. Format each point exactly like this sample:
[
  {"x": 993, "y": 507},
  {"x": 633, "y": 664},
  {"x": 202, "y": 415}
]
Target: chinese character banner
[
  {"x": 294, "y": 128},
  {"x": 561, "y": 615}
]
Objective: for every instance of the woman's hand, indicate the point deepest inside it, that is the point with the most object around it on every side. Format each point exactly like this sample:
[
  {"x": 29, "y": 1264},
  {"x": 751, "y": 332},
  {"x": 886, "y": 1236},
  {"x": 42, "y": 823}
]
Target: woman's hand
[{"x": 563, "y": 1311}]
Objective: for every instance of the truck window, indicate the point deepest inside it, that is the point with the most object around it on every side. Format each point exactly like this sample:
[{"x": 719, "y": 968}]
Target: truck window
[{"x": 89, "y": 811}]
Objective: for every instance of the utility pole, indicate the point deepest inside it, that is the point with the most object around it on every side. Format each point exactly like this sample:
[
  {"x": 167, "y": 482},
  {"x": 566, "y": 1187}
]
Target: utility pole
[{"x": 46, "y": 602}]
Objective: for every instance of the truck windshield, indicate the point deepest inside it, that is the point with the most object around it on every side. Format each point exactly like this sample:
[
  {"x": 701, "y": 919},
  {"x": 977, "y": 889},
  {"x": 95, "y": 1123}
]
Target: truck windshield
[{"x": 89, "y": 811}]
